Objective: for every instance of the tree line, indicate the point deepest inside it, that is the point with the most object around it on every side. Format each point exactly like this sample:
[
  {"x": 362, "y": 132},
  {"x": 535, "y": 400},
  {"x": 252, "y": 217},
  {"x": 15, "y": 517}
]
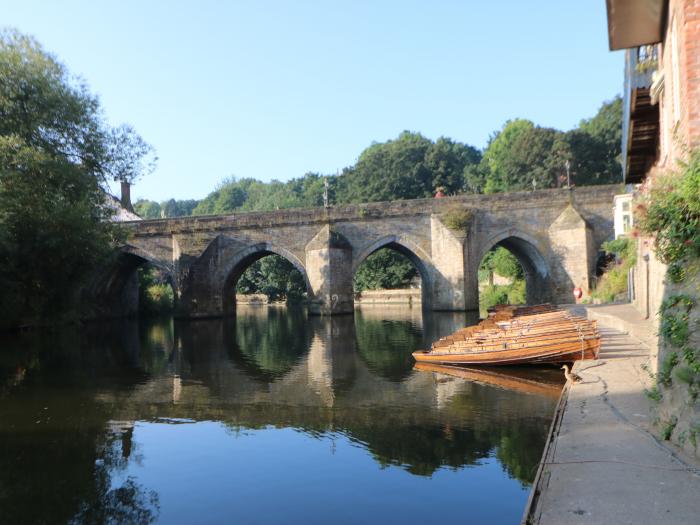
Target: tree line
[{"x": 519, "y": 156}]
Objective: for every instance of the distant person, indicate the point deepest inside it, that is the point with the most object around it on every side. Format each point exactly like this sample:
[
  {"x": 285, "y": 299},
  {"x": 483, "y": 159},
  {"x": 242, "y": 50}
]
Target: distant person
[{"x": 440, "y": 192}]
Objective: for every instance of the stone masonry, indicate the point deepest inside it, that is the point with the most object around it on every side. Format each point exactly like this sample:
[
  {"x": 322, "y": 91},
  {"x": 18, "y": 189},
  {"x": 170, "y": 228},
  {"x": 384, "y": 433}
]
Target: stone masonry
[{"x": 555, "y": 234}]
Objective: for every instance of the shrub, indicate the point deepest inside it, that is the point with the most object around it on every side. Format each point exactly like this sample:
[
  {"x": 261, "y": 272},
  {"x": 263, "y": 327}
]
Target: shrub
[
  {"x": 502, "y": 294},
  {"x": 155, "y": 293},
  {"x": 612, "y": 285},
  {"x": 457, "y": 218},
  {"x": 671, "y": 213}
]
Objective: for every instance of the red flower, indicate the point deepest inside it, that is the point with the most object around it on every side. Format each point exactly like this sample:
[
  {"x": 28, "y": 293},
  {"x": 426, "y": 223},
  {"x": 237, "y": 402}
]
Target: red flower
[{"x": 688, "y": 242}]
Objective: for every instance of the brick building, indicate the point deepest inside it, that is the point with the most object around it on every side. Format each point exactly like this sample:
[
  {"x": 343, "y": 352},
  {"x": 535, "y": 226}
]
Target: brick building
[
  {"x": 661, "y": 109},
  {"x": 661, "y": 126}
]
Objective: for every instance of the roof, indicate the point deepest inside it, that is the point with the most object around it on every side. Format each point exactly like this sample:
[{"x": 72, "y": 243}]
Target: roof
[
  {"x": 119, "y": 213},
  {"x": 633, "y": 23}
]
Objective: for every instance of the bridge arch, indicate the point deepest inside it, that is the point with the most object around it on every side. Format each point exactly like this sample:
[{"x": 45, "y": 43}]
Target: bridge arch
[
  {"x": 234, "y": 267},
  {"x": 115, "y": 290},
  {"x": 529, "y": 253},
  {"x": 413, "y": 252}
]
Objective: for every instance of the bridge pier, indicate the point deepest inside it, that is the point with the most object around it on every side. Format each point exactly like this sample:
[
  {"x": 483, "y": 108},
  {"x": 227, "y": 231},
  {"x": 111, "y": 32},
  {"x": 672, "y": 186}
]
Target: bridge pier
[
  {"x": 447, "y": 289},
  {"x": 329, "y": 269}
]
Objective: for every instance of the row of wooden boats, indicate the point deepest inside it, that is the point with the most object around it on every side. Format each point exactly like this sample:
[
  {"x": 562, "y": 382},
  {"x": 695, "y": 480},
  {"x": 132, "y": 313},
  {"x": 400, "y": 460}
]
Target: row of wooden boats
[{"x": 517, "y": 335}]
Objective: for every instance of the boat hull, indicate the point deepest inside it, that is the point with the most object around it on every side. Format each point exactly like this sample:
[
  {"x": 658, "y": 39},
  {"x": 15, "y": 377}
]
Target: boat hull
[{"x": 546, "y": 354}]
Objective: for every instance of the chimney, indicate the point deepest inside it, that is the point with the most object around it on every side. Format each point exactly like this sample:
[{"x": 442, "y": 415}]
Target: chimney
[{"x": 126, "y": 196}]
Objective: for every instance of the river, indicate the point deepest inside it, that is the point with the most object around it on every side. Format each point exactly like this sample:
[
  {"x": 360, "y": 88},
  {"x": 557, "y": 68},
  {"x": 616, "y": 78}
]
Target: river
[{"x": 269, "y": 417}]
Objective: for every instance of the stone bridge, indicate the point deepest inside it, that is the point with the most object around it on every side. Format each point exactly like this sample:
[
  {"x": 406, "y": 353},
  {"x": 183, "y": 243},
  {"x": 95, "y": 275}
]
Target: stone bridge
[{"x": 555, "y": 234}]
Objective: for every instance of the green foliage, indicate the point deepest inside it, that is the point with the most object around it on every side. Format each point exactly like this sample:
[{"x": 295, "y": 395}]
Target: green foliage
[
  {"x": 382, "y": 345},
  {"x": 269, "y": 344},
  {"x": 502, "y": 262},
  {"x": 667, "y": 366},
  {"x": 494, "y": 294},
  {"x": 384, "y": 269},
  {"x": 171, "y": 208},
  {"x": 687, "y": 375},
  {"x": 273, "y": 276},
  {"x": 523, "y": 156},
  {"x": 457, "y": 218},
  {"x": 408, "y": 167},
  {"x": 675, "y": 313},
  {"x": 668, "y": 428},
  {"x": 147, "y": 209},
  {"x": 671, "y": 214},
  {"x": 612, "y": 285},
  {"x": 676, "y": 273},
  {"x": 692, "y": 359},
  {"x": 623, "y": 248},
  {"x": 56, "y": 153},
  {"x": 252, "y": 195},
  {"x": 155, "y": 293},
  {"x": 653, "y": 394}
]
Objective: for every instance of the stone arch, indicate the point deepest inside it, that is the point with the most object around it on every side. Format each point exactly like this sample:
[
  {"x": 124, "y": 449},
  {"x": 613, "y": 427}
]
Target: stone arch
[
  {"x": 115, "y": 289},
  {"x": 529, "y": 253},
  {"x": 239, "y": 262},
  {"x": 417, "y": 256}
]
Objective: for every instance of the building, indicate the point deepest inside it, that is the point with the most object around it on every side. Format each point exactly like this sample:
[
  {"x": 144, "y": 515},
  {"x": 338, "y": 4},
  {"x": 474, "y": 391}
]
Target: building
[
  {"x": 661, "y": 126},
  {"x": 622, "y": 214},
  {"x": 661, "y": 106}
]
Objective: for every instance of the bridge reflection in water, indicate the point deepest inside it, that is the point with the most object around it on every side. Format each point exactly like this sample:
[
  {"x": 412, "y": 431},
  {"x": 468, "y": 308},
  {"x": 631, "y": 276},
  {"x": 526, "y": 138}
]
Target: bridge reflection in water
[{"x": 148, "y": 421}]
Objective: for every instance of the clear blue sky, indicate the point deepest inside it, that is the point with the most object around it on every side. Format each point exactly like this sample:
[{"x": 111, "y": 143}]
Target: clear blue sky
[{"x": 273, "y": 89}]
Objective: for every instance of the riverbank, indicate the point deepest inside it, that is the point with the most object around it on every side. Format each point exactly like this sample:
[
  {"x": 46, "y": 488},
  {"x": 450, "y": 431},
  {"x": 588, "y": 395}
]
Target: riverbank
[{"x": 602, "y": 464}]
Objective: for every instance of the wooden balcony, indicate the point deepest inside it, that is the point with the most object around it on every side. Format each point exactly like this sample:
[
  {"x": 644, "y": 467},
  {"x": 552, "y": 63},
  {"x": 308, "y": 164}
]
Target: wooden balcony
[{"x": 640, "y": 118}]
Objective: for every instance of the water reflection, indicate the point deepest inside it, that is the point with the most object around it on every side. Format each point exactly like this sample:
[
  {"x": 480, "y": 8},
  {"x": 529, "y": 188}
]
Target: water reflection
[{"x": 80, "y": 413}]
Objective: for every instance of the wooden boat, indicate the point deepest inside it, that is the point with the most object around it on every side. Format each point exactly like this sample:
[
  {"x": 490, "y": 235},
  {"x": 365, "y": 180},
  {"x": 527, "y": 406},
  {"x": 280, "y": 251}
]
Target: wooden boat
[
  {"x": 514, "y": 379},
  {"x": 539, "y": 334}
]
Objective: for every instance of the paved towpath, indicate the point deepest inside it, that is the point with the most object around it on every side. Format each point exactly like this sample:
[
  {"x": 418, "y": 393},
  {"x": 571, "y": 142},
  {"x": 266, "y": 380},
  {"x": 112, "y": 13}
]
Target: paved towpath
[{"x": 602, "y": 464}]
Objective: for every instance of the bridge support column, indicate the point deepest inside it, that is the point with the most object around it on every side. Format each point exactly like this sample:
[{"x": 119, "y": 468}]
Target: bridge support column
[
  {"x": 572, "y": 242},
  {"x": 329, "y": 268},
  {"x": 448, "y": 286}
]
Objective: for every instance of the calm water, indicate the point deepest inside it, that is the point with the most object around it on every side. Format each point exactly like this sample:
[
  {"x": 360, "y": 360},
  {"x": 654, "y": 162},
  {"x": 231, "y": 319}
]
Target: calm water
[{"x": 271, "y": 417}]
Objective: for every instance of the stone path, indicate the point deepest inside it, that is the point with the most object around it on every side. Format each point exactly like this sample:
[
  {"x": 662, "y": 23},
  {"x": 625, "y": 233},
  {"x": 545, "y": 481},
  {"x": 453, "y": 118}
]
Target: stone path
[{"x": 602, "y": 465}]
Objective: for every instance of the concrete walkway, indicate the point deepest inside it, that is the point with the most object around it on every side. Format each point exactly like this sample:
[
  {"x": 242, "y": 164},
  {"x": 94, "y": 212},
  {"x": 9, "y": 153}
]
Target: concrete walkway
[{"x": 602, "y": 465}]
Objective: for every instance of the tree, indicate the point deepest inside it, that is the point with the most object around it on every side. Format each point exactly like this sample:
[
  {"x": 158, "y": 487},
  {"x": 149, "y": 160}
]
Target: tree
[
  {"x": 177, "y": 208},
  {"x": 385, "y": 268},
  {"x": 502, "y": 262},
  {"x": 128, "y": 156},
  {"x": 408, "y": 167},
  {"x": 273, "y": 276},
  {"x": 498, "y": 152},
  {"x": 596, "y": 146},
  {"x": 55, "y": 155},
  {"x": 147, "y": 209},
  {"x": 446, "y": 160}
]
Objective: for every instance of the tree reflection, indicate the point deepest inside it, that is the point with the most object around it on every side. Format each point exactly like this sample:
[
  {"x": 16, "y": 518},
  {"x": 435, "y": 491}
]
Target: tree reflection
[
  {"x": 268, "y": 342},
  {"x": 58, "y": 457},
  {"x": 386, "y": 346}
]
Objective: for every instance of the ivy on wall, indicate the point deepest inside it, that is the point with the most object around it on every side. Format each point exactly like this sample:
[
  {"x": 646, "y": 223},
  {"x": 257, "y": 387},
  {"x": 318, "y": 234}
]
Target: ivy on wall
[{"x": 670, "y": 213}]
